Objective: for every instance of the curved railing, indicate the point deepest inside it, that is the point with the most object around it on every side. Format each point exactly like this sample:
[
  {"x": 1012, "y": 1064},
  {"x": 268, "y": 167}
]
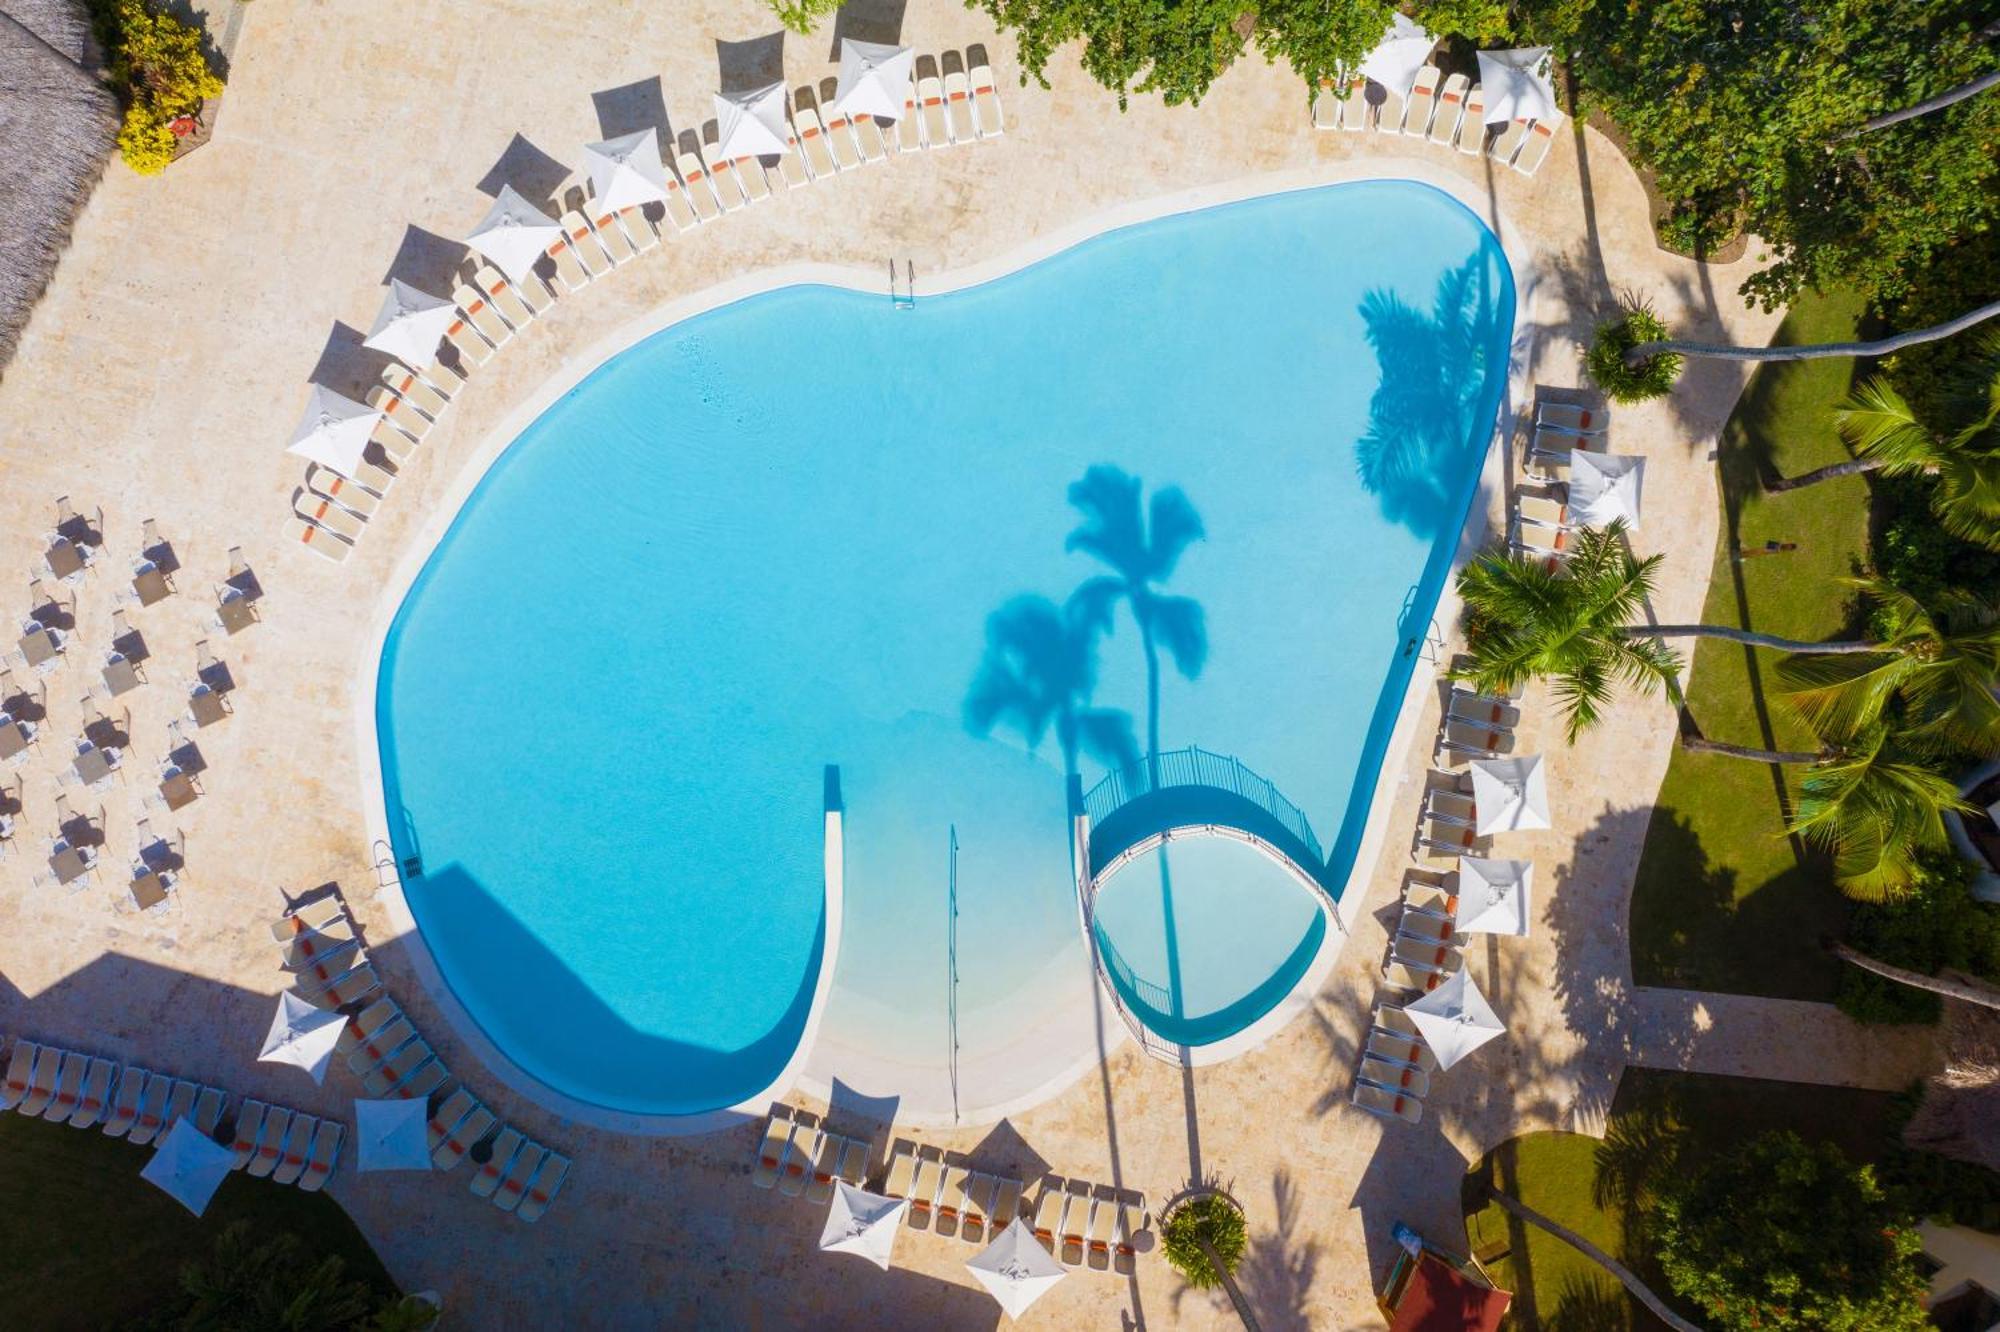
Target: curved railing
[{"x": 1195, "y": 766}]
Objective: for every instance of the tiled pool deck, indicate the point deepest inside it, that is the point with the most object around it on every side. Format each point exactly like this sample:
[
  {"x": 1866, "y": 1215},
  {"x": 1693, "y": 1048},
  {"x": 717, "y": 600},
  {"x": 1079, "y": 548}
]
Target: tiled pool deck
[{"x": 166, "y": 366}]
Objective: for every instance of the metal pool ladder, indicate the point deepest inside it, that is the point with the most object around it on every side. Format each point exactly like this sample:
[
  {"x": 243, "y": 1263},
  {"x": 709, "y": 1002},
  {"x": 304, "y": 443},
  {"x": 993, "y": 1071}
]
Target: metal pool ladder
[{"x": 905, "y": 295}]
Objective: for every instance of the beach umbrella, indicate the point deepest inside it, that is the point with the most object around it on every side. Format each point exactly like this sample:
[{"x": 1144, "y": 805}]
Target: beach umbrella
[
  {"x": 1509, "y": 794},
  {"x": 514, "y": 234},
  {"x": 1493, "y": 895},
  {"x": 626, "y": 171},
  {"x": 858, "y": 1221},
  {"x": 1455, "y": 1019},
  {"x": 1517, "y": 85},
  {"x": 1016, "y": 1268},
  {"x": 1394, "y": 62},
  {"x": 410, "y": 324},
  {"x": 751, "y": 124},
  {"x": 1604, "y": 487},
  {"x": 302, "y": 1034},
  {"x": 874, "y": 79},
  {"x": 334, "y": 430},
  {"x": 189, "y": 1165},
  {"x": 392, "y": 1135}
]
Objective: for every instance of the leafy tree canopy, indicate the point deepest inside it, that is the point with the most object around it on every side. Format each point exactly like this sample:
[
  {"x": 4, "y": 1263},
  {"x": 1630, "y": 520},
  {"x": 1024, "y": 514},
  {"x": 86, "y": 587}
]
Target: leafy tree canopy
[{"x": 1781, "y": 1235}]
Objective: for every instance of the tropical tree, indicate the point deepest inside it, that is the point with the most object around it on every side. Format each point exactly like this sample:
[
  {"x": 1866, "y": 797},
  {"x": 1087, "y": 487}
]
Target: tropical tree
[
  {"x": 1876, "y": 804},
  {"x": 1623, "y": 1274},
  {"x": 266, "y": 1283},
  {"x": 1204, "y": 1238},
  {"x": 1947, "y": 987},
  {"x": 1142, "y": 546},
  {"x": 1038, "y": 672},
  {"x": 1641, "y": 354}
]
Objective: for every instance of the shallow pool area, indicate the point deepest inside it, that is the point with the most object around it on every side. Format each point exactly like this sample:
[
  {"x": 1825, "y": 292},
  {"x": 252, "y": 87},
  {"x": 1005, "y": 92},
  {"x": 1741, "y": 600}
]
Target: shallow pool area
[{"x": 1194, "y": 482}]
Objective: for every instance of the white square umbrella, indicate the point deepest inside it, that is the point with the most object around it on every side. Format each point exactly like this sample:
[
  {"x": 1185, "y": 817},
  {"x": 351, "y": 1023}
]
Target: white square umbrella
[
  {"x": 626, "y": 171},
  {"x": 410, "y": 324},
  {"x": 858, "y": 1221},
  {"x": 874, "y": 79},
  {"x": 1016, "y": 1268},
  {"x": 1509, "y": 794},
  {"x": 334, "y": 430},
  {"x": 392, "y": 1135},
  {"x": 1604, "y": 487},
  {"x": 302, "y": 1034},
  {"x": 189, "y": 1165},
  {"x": 1517, "y": 85},
  {"x": 1493, "y": 895},
  {"x": 1394, "y": 62},
  {"x": 514, "y": 233},
  {"x": 1455, "y": 1019},
  {"x": 751, "y": 124}
]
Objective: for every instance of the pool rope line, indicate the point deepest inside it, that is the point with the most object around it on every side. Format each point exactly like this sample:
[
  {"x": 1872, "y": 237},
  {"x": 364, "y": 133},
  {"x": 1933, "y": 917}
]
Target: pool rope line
[{"x": 330, "y": 519}]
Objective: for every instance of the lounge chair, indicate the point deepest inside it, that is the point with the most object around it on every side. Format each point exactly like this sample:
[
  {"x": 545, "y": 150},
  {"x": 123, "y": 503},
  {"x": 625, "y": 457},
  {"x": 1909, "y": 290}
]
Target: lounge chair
[
  {"x": 1097, "y": 1242},
  {"x": 1354, "y": 106},
  {"x": 505, "y": 300},
  {"x": 1536, "y": 539},
  {"x": 1050, "y": 1205},
  {"x": 487, "y": 1178},
  {"x": 841, "y": 139},
  {"x": 1398, "y": 1077},
  {"x": 391, "y": 1072},
  {"x": 531, "y": 291},
  {"x": 427, "y": 1079},
  {"x": 350, "y": 988},
  {"x": 1472, "y": 129},
  {"x": 1421, "y": 951},
  {"x": 1403, "y": 976},
  {"x": 819, "y": 1185},
  {"x": 365, "y": 1024},
  {"x": 976, "y": 1210},
  {"x": 1326, "y": 107},
  {"x": 986, "y": 102},
  {"x": 583, "y": 246},
  {"x": 1443, "y": 838},
  {"x": 472, "y": 349},
  {"x": 729, "y": 187},
  {"x": 180, "y": 1105},
  {"x": 322, "y": 1155},
  {"x": 332, "y": 962},
  {"x": 400, "y": 413},
  {"x": 1460, "y": 737},
  {"x": 613, "y": 239},
  {"x": 902, "y": 1170},
  {"x": 958, "y": 106},
  {"x": 1399, "y": 1048},
  {"x": 680, "y": 211},
  {"x": 96, "y": 1091},
  {"x": 270, "y": 1141},
  {"x": 930, "y": 105},
  {"x": 547, "y": 1183},
  {"x": 694, "y": 176},
  {"x": 152, "y": 1109},
  {"x": 1450, "y": 108},
  {"x": 125, "y": 1102},
  {"x": 924, "y": 1189},
  {"x": 446, "y": 1117},
  {"x": 308, "y": 946},
  {"x": 1535, "y": 148},
  {"x": 20, "y": 1074},
  {"x": 1450, "y": 806},
  {"x": 1423, "y": 101},
  {"x": 951, "y": 1197},
  {"x": 812, "y": 139},
  {"x": 373, "y": 1050},
  {"x": 799, "y": 1158},
  {"x": 1509, "y": 142},
  {"x": 1543, "y": 509},
  {"x": 1483, "y": 709},
  {"x": 314, "y": 915},
  {"x": 1568, "y": 418},
  {"x": 1389, "y": 118},
  {"x": 69, "y": 1086},
  {"x": 407, "y": 384},
  {"x": 507, "y": 1195},
  {"x": 569, "y": 268},
  {"x": 1005, "y": 1203},
  {"x": 298, "y": 1148},
  {"x": 1131, "y": 1220},
  {"x": 868, "y": 133},
  {"x": 249, "y": 1124},
  {"x": 748, "y": 173},
  {"x": 1424, "y": 925},
  {"x": 328, "y": 484},
  {"x": 1388, "y": 1104},
  {"x": 208, "y": 1109},
  {"x": 460, "y": 1140},
  {"x": 480, "y": 311},
  {"x": 853, "y": 1167},
  {"x": 771, "y": 1152},
  {"x": 635, "y": 226},
  {"x": 910, "y": 128},
  {"x": 1078, "y": 1219},
  {"x": 792, "y": 164}
]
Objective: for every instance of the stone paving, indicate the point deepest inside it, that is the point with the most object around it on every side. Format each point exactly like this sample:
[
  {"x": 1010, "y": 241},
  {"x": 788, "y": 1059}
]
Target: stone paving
[{"x": 165, "y": 368}]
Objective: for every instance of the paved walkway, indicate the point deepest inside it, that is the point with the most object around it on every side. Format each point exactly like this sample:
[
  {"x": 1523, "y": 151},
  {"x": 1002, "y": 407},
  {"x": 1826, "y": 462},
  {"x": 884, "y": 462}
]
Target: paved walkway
[{"x": 164, "y": 369}]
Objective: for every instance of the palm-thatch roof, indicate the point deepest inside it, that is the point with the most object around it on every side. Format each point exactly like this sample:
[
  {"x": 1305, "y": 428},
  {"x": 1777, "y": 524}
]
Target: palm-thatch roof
[
  {"x": 1960, "y": 1114},
  {"x": 58, "y": 124}
]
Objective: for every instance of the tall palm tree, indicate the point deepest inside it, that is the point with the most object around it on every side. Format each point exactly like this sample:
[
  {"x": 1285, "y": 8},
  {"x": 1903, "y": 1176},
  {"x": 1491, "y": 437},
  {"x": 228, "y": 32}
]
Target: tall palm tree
[
  {"x": 1038, "y": 672},
  {"x": 1639, "y": 352},
  {"x": 1938, "y": 665},
  {"x": 1623, "y": 1274},
  {"x": 1142, "y": 547},
  {"x": 1876, "y": 803}
]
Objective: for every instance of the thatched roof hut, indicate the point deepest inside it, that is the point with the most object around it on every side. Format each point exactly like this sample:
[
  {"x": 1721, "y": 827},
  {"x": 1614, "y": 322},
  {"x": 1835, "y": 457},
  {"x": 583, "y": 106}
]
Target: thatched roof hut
[
  {"x": 1960, "y": 1114},
  {"x": 58, "y": 125}
]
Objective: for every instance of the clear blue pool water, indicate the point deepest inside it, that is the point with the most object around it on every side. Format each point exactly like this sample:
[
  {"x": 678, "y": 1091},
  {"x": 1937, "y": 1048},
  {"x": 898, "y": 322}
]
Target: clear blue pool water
[{"x": 809, "y": 529}]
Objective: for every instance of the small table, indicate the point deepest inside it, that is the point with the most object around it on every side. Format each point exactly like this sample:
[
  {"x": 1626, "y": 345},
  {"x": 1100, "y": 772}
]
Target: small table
[
  {"x": 13, "y": 737},
  {"x": 40, "y": 645},
  {"x": 68, "y": 864},
  {"x": 151, "y": 585},
  {"x": 120, "y": 675},
  {"x": 93, "y": 765},
  {"x": 178, "y": 790},
  {"x": 236, "y": 613},
  {"x": 206, "y": 707},
  {"x": 64, "y": 558},
  {"x": 148, "y": 890}
]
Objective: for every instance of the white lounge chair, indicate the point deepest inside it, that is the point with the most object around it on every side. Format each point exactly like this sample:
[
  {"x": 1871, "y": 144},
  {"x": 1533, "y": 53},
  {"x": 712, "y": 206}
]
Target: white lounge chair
[
  {"x": 1509, "y": 142},
  {"x": 505, "y": 299},
  {"x": 547, "y": 1183},
  {"x": 322, "y": 1156},
  {"x": 507, "y": 1194},
  {"x": 1388, "y": 1104},
  {"x": 840, "y": 137},
  {"x": 1535, "y": 148},
  {"x": 930, "y": 105},
  {"x": 1450, "y": 107},
  {"x": 20, "y": 1074},
  {"x": 958, "y": 106},
  {"x": 1423, "y": 101},
  {"x": 1354, "y": 107},
  {"x": 480, "y": 311},
  {"x": 1472, "y": 128},
  {"x": 583, "y": 243},
  {"x": 812, "y": 139},
  {"x": 986, "y": 111},
  {"x": 910, "y": 129},
  {"x": 707, "y": 206},
  {"x": 487, "y": 1178},
  {"x": 569, "y": 268}
]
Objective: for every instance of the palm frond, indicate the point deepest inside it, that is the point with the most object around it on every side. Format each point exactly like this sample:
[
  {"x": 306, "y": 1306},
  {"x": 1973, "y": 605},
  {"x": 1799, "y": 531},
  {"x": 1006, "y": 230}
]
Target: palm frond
[
  {"x": 1112, "y": 527},
  {"x": 1880, "y": 424},
  {"x": 1179, "y": 625},
  {"x": 1839, "y": 694},
  {"x": 1174, "y": 526}
]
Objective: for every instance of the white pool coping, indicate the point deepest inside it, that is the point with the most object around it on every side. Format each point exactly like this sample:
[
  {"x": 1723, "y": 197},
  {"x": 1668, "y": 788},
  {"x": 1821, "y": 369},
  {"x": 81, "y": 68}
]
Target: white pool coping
[{"x": 580, "y": 365}]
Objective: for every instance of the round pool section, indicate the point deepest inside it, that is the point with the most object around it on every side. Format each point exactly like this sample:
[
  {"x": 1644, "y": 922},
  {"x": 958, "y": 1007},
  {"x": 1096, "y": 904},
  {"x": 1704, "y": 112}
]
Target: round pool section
[{"x": 811, "y": 551}]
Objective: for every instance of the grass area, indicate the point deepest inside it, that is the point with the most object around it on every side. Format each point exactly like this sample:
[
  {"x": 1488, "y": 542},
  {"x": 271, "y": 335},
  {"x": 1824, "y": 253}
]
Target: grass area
[
  {"x": 86, "y": 1243},
  {"x": 1556, "y": 1289},
  {"x": 1725, "y": 900}
]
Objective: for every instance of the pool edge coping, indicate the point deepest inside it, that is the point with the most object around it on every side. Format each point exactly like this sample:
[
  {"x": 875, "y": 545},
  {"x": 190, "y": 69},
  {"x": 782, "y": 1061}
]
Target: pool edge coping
[{"x": 408, "y": 566}]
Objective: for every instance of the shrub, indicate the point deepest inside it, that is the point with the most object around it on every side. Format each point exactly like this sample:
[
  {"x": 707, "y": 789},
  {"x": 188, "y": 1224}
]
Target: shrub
[
  {"x": 158, "y": 69},
  {"x": 1938, "y": 925},
  {"x": 1695, "y": 228},
  {"x": 1651, "y": 378},
  {"x": 1912, "y": 549},
  {"x": 1211, "y": 1217}
]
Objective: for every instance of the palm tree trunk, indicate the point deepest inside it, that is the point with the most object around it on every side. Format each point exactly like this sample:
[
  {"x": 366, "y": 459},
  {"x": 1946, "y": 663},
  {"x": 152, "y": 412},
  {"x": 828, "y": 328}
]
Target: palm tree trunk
[
  {"x": 1853, "y": 467},
  {"x": 1925, "y": 107},
  {"x": 1811, "y": 351},
  {"x": 1703, "y": 745},
  {"x": 1152, "y": 705},
  {"x": 1639, "y": 1289},
  {"x": 1228, "y": 1284},
  {"x": 1771, "y": 641},
  {"x": 1986, "y": 996}
]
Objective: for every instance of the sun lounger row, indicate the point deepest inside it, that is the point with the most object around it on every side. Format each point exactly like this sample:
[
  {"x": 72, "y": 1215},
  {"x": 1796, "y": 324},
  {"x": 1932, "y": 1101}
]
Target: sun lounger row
[
  {"x": 947, "y": 1196},
  {"x": 1449, "y": 116},
  {"x": 800, "y": 1158},
  {"x": 1395, "y": 1071},
  {"x": 1094, "y": 1228},
  {"x": 140, "y": 1106}
]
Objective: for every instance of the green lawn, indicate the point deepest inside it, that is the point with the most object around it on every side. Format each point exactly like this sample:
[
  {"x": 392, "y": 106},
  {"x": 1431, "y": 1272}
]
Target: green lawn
[
  {"x": 1725, "y": 900},
  {"x": 86, "y": 1243},
  {"x": 1556, "y": 1289}
]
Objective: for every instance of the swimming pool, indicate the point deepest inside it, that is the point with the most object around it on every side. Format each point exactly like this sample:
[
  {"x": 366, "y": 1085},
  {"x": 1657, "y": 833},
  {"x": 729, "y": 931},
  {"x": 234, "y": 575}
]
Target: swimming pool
[{"x": 809, "y": 549}]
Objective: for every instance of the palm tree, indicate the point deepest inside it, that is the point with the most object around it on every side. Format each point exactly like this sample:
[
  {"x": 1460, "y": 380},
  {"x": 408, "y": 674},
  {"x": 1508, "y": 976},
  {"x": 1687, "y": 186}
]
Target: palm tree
[
  {"x": 1142, "y": 549},
  {"x": 1039, "y": 670},
  {"x": 1875, "y": 804},
  {"x": 1951, "y": 987},
  {"x": 1639, "y": 352},
  {"x": 1618, "y": 1270}
]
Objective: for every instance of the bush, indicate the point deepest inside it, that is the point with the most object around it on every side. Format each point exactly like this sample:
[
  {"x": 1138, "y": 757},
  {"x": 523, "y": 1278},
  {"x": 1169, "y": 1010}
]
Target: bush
[
  {"x": 1651, "y": 378},
  {"x": 1693, "y": 227},
  {"x": 1937, "y": 926},
  {"x": 159, "y": 71},
  {"x": 1912, "y": 549},
  {"x": 1932, "y": 1185},
  {"x": 1211, "y": 1217},
  {"x": 1963, "y": 277}
]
